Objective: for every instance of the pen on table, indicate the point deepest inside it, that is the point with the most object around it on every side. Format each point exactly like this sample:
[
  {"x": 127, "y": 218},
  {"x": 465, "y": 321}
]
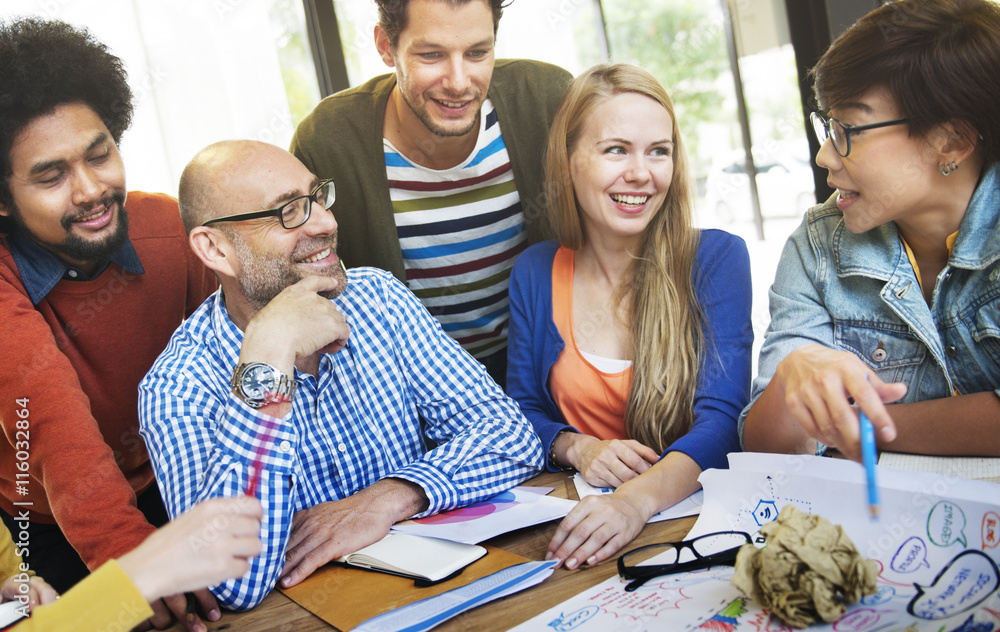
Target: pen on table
[{"x": 868, "y": 460}]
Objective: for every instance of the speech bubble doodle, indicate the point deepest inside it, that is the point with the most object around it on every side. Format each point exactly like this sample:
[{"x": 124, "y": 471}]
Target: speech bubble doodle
[
  {"x": 910, "y": 556},
  {"x": 884, "y": 595},
  {"x": 567, "y": 622},
  {"x": 637, "y": 605},
  {"x": 991, "y": 530},
  {"x": 945, "y": 524},
  {"x": 968, "y": 580},
  {"x": 860, "y": 619}
]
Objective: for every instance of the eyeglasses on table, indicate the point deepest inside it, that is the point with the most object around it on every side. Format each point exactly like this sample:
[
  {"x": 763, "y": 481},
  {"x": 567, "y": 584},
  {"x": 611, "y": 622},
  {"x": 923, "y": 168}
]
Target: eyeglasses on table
[{"x": 653, "y": 560}]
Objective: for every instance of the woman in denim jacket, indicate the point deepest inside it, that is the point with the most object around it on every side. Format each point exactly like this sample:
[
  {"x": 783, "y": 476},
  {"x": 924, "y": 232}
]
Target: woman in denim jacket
[{"x": 889, "y": 291}]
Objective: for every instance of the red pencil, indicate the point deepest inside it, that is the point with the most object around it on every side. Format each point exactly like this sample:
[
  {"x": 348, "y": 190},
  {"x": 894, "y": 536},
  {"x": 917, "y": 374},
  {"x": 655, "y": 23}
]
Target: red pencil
[{"x": 263, "y": 438}]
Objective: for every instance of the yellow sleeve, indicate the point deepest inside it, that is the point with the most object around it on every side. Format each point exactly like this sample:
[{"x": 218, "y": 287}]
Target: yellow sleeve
[
  {"x": 9, "y": 559},
  {"x": 106, "y": 597}
]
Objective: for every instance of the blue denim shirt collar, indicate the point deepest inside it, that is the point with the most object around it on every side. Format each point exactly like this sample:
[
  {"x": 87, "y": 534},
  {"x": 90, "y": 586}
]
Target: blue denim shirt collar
[
  {"x": 40, "y": 270},
  {"x": 978, "y": 244},
  {"x": 878, "y": 253}
]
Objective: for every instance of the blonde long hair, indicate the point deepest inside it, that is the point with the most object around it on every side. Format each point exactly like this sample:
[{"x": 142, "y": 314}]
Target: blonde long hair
[{"x": 664, "y": 318}]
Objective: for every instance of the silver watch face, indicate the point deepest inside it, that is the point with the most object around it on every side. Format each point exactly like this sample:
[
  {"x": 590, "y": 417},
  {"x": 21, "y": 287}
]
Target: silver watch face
[{"x": 257, "y": 380}]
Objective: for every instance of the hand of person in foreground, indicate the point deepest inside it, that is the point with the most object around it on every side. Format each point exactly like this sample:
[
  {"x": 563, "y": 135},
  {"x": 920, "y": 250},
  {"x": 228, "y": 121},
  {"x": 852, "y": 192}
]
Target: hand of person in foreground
[
  {"x": 212, "y": 542},
  {"x": 596, "y": 529},
  {"x": 331, "y": 530},
  {"x": 818, "y": 384},
  {"x": 604, "y": 463},
  {"x": 39, "y": 591},
  {"x": 599, "y": 526}
]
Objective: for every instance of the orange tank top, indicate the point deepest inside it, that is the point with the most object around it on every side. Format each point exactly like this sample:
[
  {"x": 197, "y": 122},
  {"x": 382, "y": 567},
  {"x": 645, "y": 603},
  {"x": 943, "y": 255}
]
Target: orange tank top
[{"x": 592, "y": 401}]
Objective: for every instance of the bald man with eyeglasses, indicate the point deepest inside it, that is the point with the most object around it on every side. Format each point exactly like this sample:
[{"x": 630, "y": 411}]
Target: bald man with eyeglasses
[{"x": 318, "y": 389}]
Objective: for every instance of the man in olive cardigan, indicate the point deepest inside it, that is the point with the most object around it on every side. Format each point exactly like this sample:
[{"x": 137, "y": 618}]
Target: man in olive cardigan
[{"x": 439, "y": 166}]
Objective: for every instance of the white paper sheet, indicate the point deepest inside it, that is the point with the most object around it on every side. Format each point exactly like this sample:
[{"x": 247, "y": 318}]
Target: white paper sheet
[
  {"x": 515, "y": 509},
  {"x": 936, "y": 542},
  {"x": 690, "y": 506},
  {"x": 427, "y": 613}
]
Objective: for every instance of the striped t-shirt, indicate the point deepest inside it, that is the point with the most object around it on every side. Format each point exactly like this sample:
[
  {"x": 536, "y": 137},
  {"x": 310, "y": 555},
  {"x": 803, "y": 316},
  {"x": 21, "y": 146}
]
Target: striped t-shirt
[{"x": 460, "y": 230}]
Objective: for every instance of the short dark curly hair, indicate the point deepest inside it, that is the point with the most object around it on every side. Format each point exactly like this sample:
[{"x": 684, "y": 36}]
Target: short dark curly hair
[
  {"x": 45, "y": 64},
  {"x": 392, "y": 15}
]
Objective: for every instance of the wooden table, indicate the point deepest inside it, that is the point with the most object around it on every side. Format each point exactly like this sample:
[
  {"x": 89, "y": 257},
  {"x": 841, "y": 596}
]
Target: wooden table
[{"x": 278, "y": 613}]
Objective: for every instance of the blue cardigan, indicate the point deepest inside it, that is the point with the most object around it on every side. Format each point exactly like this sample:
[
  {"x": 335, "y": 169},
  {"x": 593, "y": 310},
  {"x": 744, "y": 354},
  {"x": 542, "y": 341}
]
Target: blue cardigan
[{"x": 722, "y": 283}]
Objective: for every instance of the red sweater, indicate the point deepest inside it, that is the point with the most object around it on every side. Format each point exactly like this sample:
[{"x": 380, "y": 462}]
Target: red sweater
[{"x": 72, "y": 366}]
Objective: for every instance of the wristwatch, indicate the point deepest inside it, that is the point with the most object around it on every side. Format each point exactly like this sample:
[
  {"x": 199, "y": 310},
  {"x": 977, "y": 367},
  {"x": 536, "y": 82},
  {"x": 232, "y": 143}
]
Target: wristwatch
[{"x": 259, "y": 384}]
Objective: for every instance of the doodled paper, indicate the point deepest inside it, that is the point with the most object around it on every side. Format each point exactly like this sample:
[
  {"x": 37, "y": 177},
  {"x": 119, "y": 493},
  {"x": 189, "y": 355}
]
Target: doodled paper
[
  {"x": 674, "y": 602},
  {"x": 935, "y": 541},
  {"x": 937, "y": 544}
]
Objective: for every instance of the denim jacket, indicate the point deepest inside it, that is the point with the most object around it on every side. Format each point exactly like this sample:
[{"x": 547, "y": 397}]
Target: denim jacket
[{"x": 859, "y": 293}]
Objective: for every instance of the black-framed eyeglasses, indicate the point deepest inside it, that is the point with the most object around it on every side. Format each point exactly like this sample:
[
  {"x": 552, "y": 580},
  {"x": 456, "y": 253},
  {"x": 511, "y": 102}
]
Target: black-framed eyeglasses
[
  {"x": 712, "y": 549},
  {"x": 840, "y": 132},
  {"x": 292, "y": 213}
]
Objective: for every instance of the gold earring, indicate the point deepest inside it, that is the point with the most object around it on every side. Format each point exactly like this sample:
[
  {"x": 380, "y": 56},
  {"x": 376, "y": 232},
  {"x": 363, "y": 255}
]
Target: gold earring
[{"x": 948, "y": 168}]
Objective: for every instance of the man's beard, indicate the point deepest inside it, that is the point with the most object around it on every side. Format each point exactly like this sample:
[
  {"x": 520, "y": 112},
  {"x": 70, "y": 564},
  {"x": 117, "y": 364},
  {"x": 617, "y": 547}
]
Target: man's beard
[
  {"x": 261, "y": 278},
  {"x": 430, "y": 124},
  {"x": 75, "y": 247}
]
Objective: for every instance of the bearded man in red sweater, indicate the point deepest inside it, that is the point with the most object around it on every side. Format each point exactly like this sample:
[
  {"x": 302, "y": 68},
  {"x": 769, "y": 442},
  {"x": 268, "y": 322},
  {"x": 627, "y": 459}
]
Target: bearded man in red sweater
[{"x": 92, "y": 285}]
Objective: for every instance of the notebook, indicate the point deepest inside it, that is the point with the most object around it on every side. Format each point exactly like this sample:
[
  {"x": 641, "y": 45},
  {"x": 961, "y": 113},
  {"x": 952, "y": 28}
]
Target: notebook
[
  {"x": 974, "y": 467},
  {"x": 10, "y": 612},
  {"x": 415, "y": 556}
]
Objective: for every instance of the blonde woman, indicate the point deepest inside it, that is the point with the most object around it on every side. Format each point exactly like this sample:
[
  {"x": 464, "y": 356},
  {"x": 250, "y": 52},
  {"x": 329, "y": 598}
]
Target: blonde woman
[{"x": 630, "y": 334}]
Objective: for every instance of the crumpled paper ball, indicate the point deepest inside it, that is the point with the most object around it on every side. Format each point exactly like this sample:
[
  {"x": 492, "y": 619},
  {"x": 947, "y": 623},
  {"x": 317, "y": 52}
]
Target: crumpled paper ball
[{"x": 808, "y": 571}]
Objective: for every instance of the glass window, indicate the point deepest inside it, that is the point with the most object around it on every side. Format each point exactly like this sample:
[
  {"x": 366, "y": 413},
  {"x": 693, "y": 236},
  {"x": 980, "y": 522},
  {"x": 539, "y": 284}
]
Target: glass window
[
  {"x": 683, "y": 43},
  {"x": 357, "y": 21},
  {"x": 562, "y": 32},
  {"x": 201, "y": 72}
]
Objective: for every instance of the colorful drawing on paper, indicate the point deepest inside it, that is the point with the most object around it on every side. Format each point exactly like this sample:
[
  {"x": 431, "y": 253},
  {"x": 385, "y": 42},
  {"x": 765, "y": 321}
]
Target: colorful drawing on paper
[
  {"x": 937, "y": 549},
  {"x": 493, "y": 505},
  {"x": 946, "y": 525},
  {"x": 573, "y": 620},
  {"x": 967, "y": 581},
  {"x": 991, "y": 530},
  {"x": 969, "y": 625},
  {"x": 727, "y": 620}
]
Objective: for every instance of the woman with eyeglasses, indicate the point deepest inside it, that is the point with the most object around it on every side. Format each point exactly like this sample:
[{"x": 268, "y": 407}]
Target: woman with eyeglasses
[
  {"x": 887, "y": 297},
  {"x": 630, "y": 340}
]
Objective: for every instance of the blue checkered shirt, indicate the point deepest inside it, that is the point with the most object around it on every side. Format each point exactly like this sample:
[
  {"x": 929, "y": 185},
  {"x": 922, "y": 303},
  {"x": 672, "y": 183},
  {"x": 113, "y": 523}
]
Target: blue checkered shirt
[{"x": 399, "y": 382}]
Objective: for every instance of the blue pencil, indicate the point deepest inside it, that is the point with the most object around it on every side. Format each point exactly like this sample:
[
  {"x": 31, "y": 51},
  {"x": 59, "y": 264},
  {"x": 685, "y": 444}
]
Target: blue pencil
[{"x": 868, "y": 460}]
